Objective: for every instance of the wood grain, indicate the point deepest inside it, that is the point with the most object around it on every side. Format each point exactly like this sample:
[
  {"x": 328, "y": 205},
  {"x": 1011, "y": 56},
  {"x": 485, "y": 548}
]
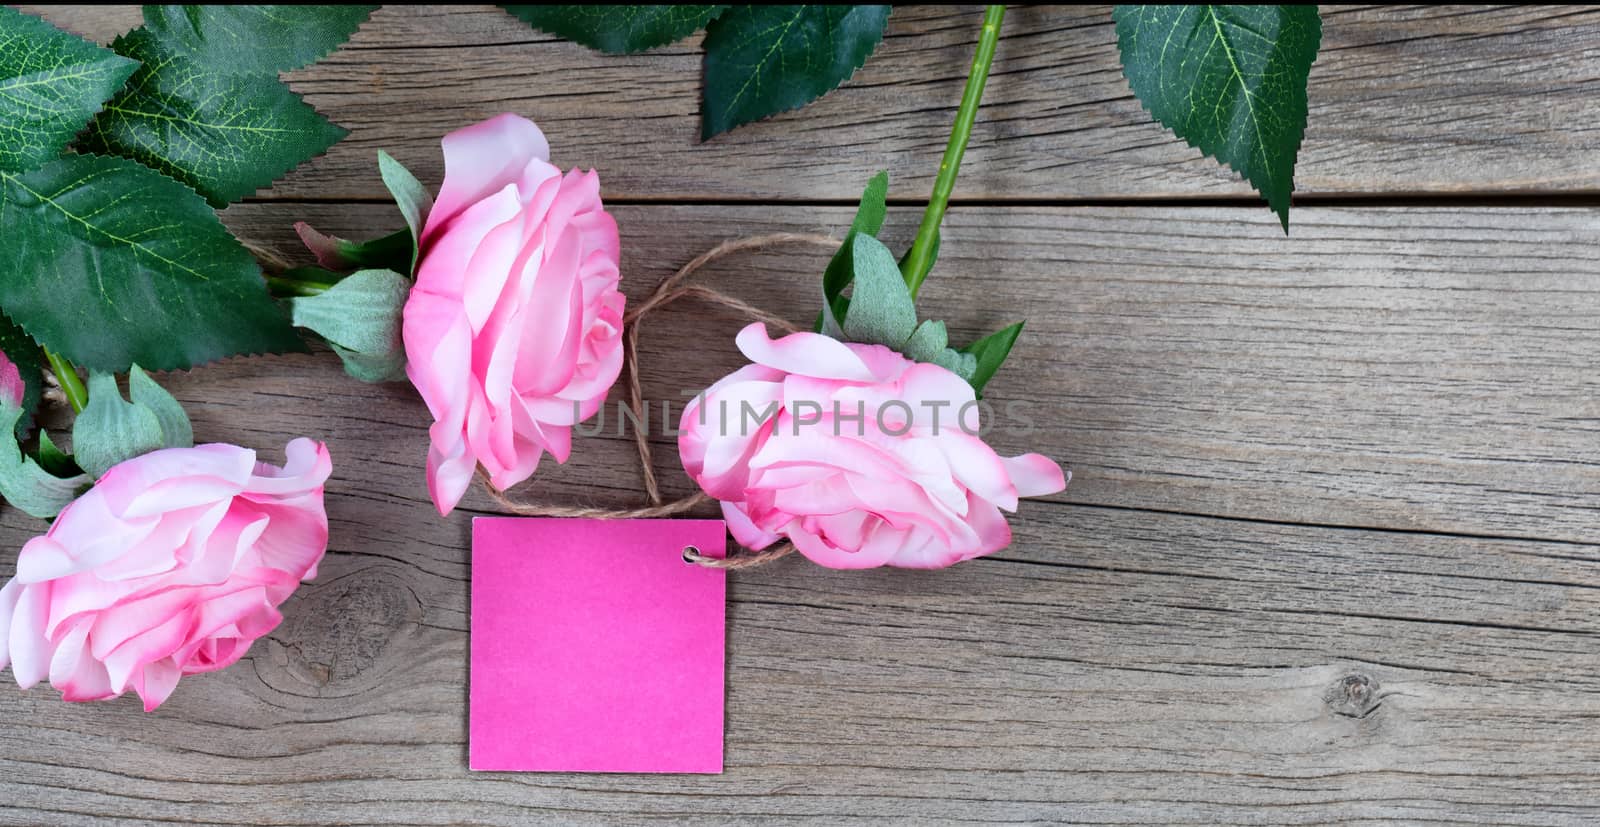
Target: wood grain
[
  {"x": 1122, "y": 663},
  {"x": 1113, "y": 667},
  {"x": 1403, "y": 100}
]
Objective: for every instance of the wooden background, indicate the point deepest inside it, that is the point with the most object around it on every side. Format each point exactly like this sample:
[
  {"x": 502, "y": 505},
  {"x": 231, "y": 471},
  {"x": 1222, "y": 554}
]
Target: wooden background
[{"x": 1330, "y": 553}]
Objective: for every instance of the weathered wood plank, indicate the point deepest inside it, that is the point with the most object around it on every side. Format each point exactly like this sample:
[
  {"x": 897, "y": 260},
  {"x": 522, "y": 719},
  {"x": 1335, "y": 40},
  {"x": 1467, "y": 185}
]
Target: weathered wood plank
[
  {"x": 1113, "y": 667},
  {"x": 1403, "y": 100},
  {"x": 1415, "y": 369}
]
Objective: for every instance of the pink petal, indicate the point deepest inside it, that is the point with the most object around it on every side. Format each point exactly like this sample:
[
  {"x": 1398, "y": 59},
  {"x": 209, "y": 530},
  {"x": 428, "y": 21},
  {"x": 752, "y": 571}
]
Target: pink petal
[
  {"x": 807, "y": 354},
  {"x": 75, "y": 672},
  {"x": 447, "y": 257},
  {"x": 30, "y": 650},
  {"x": 155, "y": 682},
  {"x": 481, "y": 159},
  {"x": 9, "y": 594},
  {"x": 307, "y": 468},
  {"x": 294, "y": 539},
  {"x": 125, "y": 664},
  {"x": 978, "y": 467},
  {"x": 819, "y": 551},
  {"x": 449, "y": 474},
  {"x": 127, "y": 622},
  {"x": 745, "y": 532},
  {"x": 1035, "y": 475},
  {"x": 175, "y": 478}
]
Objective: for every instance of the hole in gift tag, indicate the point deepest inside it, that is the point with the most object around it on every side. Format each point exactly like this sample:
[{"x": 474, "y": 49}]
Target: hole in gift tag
[{"x": 691, "y": 554}]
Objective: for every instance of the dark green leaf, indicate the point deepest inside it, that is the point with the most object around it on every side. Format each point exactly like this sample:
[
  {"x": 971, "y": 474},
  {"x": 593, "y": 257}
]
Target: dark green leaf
[
  {"x": 360, "y": 318},
  {"x": 991, "y": 352},
  {"x": 27, "y": 485},
  {"x": 618, "y": 29},
  {"x": 881, "y": 311},
  {"x": 225, "y": 135},
  {"x": 109, "y": 263},
  {"x": 24, "y": 352},
  {"x": 761, "y": 60},
  {"x": 109, "y": 429},
  {"x": 259, "y": 40},
  {"x": 410, "y": 196},
  {"x": 1230, "y": 80},
  {"x": 176, "y": 432},
  {"x": 55, "y": 461},
  {"x": 51, "y": 84}
]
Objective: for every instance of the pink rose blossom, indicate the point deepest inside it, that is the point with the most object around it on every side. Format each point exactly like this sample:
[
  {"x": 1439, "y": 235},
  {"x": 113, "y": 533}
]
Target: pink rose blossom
[
  {"x": 865, "y": 458},
  {"x": 171, "y": 565},
  {"x": 513, "y": 332}
]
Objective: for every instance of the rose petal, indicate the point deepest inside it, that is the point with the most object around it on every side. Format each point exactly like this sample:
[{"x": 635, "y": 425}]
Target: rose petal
[
  {"x": 155, "y": 682},
  {"x": 175, "y": 478},
  {"x": 30, "y": 650},
  {"x": 481, "y": 159},
  {"x": 307, "y": 467},
  {"x": 807, "y": 354},
  {"x": 1035, "y": 475},
  {"x": 9, "y": 594}
]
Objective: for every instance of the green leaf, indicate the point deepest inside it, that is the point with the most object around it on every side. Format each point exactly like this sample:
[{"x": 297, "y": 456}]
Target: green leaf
[
  {"x": 110, "y": 430},
  {"x": 410, "y": 195},
  {"x": 1230, "y": 80},
  {"x": 254, "y": 40},
  {"x": 964, "y": 365},
  {"x": 926, "y": 342},
  {"x": 395, "y": 251},
  {"x": 55, "y": 461},
  {"x": 176, "y": 432},
  {"x": 874, "y": 206},
  {"x": 27, "y": 485},
  {"x": 23, "y": 351},
  {"x": 618, "y": 29},
  {"x": 991, "y": 352},
  {"x": 51, "y": 84},
  {"x": 360, "y": 317},
  {"x": 881, "y": 311},
  {"x": 225, "y": 135},
  {"x": 108, "y": 263},
  {"x": 870, "y": 215},
  {"x": 761, "y": 60}
]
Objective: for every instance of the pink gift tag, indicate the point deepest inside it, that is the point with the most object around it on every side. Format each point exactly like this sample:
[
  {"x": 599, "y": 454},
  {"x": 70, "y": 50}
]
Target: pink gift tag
[{"x": 595, "y": 648}]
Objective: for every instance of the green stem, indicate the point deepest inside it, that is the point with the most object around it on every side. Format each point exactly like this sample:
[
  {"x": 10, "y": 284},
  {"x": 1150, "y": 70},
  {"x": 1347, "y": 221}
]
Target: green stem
[
  {"x": 919, "y": 258},
  {"x": 67, "y": 377},
  {"x": 282, "y": 287}
]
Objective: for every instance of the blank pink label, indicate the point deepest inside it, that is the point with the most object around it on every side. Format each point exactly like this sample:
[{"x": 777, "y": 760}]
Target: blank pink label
[{"x": 595, "y": 648}]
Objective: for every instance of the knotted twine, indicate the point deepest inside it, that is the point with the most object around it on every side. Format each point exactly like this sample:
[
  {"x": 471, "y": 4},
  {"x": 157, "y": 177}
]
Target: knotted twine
[{"x": 671, "y": 289}]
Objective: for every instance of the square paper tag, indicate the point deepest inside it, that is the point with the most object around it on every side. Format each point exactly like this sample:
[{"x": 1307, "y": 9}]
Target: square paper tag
[{"x": 595, "y": 647}]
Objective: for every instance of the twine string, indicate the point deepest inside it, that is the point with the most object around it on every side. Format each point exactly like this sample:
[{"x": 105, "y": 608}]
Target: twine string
[{"x": 671, "y": 289}]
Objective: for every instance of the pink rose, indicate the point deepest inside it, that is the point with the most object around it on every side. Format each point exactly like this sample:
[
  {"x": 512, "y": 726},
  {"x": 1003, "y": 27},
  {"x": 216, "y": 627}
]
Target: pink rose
[
  {"x": 858, "y": 455},
  {"x": 171, "y": 565},
  {"x": 513, "y": 331}
]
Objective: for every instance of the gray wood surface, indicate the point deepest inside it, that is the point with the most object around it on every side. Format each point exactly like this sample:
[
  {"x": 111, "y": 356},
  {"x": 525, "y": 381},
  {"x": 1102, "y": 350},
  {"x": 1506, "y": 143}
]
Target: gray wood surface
[
  {"x": 1402, "y": 100},
  {"x": 1331, "y": 553}
]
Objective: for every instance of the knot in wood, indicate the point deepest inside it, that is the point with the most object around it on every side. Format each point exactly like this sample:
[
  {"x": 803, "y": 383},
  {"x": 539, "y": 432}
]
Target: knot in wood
[{"x": 1354, "y": 696}]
